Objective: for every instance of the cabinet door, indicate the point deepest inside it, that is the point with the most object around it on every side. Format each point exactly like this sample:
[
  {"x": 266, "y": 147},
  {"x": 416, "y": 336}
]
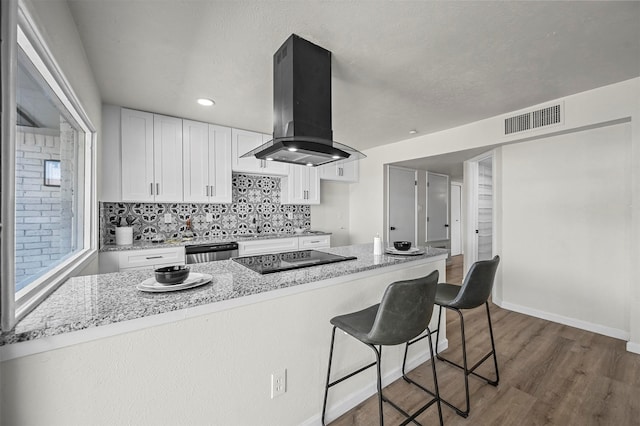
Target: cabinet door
[
  {"x": 314, "y": 242},
  {"x": 137, "y": 155},
  {"x": 255, "y": 247},
  {"x": 149, "y": 258},
  {"x": 167, "y": 156},
  {"x": 242, "y": 142},
  {"x": 196, "y": 160},
  {"x": 301, "y": 186},
  {"x": 340, "y": 171},
  {"x": 219, "y": 164}
]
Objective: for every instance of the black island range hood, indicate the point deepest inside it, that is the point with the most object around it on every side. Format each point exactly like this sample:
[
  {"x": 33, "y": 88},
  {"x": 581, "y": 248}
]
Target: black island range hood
[{"x": 302, "y": 131}]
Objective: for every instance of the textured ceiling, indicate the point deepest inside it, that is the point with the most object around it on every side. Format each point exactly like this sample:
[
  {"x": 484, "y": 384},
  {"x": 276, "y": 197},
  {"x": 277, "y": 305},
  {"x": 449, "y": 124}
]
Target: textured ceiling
[{"x": 397, "y": 65}]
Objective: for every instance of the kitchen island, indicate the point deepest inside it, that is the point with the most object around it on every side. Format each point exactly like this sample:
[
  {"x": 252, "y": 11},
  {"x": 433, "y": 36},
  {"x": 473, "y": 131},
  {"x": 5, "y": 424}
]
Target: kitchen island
[{"x": 98, "y": 351}]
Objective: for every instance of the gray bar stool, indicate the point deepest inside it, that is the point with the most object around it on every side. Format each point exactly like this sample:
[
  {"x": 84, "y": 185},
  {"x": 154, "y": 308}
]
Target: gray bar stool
[
  {"x": 403, "y": 314},
  {"x": 474, "y": 292}
]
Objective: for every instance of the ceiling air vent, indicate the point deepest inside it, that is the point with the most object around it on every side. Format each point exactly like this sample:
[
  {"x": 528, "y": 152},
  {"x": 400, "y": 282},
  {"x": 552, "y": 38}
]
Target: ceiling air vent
[{"x": 533, "y": 120}]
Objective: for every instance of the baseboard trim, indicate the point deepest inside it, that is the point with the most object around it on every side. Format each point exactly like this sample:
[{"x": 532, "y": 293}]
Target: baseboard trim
[
  {"x": 633, "y": 347},
  {"x": 583, "y": 325},
  {"x": 339, "y": 408}
]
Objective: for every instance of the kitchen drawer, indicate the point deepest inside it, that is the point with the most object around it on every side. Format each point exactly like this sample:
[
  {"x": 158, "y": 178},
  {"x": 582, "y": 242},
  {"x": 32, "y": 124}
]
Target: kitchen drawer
[
  {"x": 278, "y": 245},
  {"x": 314, "y": 242},
  {"x": 150, "y": 258}
]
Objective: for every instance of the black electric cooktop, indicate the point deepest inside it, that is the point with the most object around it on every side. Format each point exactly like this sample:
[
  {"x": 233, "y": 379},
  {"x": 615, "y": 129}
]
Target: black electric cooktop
[{"x": 278, "y": 262}]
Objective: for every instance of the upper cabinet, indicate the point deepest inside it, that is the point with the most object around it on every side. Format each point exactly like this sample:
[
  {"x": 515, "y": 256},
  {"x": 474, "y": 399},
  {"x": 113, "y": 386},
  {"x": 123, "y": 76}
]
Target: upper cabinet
[
  {"x": 243, "y": 141},
  {"x": 151, "y": 157},
  {"x": 341, "y": 171},
  {"x": 167, "y": 158},
  {"x": 137, "y": 156},
  {"x": 301, "y": 186},
  {"x": 206, "y": 162}
]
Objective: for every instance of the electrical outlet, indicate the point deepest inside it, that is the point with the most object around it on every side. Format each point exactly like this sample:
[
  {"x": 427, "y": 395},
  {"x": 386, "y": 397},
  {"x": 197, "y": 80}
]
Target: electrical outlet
[
  {"x": 167, "y": 218},
  {"x": 209, "y": 217},
  {"x": 278, "y": 382}
]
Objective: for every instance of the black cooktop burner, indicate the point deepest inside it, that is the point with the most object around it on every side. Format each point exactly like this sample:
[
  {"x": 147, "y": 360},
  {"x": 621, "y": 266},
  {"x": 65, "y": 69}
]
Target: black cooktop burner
[{"x": 278, "y": 262}]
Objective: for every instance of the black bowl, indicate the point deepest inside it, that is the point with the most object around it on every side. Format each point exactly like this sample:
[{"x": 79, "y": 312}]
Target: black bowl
[
  {"x": 172, "y": 274},
  {"x": 402, "y": 245}
]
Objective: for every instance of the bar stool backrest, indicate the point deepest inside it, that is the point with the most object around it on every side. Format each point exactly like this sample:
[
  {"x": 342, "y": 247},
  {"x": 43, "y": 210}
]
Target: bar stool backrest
[
  {"x": 477, "y": 285},
  {"x": 405, "y": 310}
]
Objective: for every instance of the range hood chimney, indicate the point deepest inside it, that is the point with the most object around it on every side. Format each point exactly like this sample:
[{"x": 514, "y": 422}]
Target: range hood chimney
[{"x": 302, "y": 131}]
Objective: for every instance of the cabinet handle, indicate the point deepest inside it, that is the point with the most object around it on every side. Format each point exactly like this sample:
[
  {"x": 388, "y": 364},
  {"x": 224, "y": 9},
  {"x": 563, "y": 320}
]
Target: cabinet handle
[
  {"x": 213, "y": 190},
  {"x": 151, "y": 186},
  {"x": 154, "y": 257},
  {"x": 340, "y": 173},
  {"x": 207, "y": 190},
  {"x": 314, "y": 242},
  {"x": 157, "y": 189}
]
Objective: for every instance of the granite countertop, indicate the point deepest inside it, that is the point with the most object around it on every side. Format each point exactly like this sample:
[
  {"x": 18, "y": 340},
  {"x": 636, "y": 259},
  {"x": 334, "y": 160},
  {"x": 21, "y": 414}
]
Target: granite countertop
[
  {"x": 98, "y": 300},
  {"x": 141, "y": 245}
]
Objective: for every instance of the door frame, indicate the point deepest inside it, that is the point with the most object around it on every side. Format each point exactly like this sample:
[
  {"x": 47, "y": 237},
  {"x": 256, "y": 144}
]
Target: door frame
[
  {"x": 470, "y": 213},
  {"x": 462, "y": 222},
  {"x": 388, "y": 204}
]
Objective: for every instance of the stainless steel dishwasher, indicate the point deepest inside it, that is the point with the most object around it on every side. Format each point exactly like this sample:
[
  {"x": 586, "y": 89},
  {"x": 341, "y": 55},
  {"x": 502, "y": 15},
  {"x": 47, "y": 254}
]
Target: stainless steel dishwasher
[{"x": 210, "y": 252}]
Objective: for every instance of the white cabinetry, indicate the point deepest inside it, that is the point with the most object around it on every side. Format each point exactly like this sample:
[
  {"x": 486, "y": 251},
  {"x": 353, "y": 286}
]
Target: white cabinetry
[
  {"x": 244, "y": 141},
  {"x": 341, "y": 171},
  {"x": 314, "y": 242},
  {"x": 301, "y": 186},
  {"x": 206, "y": 162},
  {"x": 281, "y": 245},
  {"x": 129, "y": 260},
  {"x": 151, "y": 157},
  {"x": 276, "y": 245},
  {"x": 151, "y": 258}
]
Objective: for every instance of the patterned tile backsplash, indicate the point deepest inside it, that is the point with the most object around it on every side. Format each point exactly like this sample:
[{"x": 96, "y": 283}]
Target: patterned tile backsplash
[{"x": 256, "y": 203}]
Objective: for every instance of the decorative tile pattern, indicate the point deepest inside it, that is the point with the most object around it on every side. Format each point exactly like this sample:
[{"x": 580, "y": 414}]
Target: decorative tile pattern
[{"x": 256, "y": 205}]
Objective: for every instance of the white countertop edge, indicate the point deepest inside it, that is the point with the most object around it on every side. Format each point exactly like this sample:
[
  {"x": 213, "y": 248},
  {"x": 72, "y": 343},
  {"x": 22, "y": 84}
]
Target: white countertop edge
[{"x": 44, "y": 344}]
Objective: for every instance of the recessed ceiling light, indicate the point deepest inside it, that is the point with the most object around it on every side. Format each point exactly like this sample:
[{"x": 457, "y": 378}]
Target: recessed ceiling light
[
  {"x": 269, "y": 159},
  {"x": 292, "y": 149},
  {"x": 309, "y": 164},
  {"x": 413, "y": 131},
  {"x": 336, "y": 157},
  {"x": 205, "y": 101}
]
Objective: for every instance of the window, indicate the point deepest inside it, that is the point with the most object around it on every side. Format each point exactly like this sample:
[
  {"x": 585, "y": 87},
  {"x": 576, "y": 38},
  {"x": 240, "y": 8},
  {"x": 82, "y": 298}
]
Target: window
[{"x": 53, "y": 179}]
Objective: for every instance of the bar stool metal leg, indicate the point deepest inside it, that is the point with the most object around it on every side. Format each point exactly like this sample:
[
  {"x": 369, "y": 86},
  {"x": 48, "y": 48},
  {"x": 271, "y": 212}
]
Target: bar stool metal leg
[{"x": 465, "y": 368}]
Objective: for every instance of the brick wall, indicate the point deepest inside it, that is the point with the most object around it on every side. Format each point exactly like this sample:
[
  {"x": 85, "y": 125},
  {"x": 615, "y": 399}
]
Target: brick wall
[{"x": 43, "y": 213}]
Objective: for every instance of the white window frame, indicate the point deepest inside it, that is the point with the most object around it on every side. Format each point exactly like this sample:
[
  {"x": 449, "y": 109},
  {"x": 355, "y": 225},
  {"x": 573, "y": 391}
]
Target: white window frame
[{"x": 15, "y": 305}]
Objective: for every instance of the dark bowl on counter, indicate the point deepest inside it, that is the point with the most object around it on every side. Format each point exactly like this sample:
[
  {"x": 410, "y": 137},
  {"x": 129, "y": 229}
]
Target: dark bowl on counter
[
  {"x": 402, "y": 245},
  {"x": 172, "y": 274}
]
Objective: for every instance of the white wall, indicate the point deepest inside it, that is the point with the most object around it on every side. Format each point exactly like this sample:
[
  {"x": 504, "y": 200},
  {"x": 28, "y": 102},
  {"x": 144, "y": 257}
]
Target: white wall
[
  {"x": 332, "y": 215},
  {"x": 566, "y": 227},
  {"x": 619, "y": 101}
]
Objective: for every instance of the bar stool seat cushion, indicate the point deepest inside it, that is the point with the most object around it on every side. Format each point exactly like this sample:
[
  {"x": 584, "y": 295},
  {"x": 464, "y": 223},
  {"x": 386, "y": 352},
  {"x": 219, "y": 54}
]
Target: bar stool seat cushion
[
  {"x": 446, "y": 293},
  {"x": 358, "y": 324}
]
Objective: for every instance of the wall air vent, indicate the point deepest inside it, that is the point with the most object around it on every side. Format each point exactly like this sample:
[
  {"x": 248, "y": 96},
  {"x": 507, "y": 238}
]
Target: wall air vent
[{"x": 534, "y": 119}]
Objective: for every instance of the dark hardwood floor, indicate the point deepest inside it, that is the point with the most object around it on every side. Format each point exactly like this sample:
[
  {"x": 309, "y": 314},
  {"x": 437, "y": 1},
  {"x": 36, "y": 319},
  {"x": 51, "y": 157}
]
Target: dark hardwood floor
[{"x": 550, "y": 374}]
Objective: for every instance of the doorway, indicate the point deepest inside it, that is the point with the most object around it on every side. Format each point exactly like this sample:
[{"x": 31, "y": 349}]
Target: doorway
[
  {"x": 479, "y": 218},
  {"x": 456, "y": 218}
]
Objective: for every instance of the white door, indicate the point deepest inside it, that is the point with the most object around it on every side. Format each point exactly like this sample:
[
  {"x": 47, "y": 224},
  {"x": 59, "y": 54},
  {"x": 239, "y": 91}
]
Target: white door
[
  {"x": 456, "y": 225},
  {"x": 402, "y": 199},
  {"x": 219, "y": 164},
  {"x": 195, "y": 140},
  {"x": 437, "y": 207},
  {"x": 137, "y": 155},
  {"x": 167, "y": 158}
]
